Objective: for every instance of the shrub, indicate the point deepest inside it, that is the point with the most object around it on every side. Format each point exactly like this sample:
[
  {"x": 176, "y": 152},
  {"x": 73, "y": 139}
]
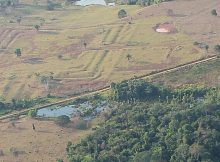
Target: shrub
[
  {"x": 214, "y": 12},
  {"x": 122, "y": 14},
  {"x": 50, "y": 6},
  {"x": 32, "y": 113},
  {"x": 217, "y": 50},
  {"x": 62, "y": 120},
  {"x": 18, "y": 52},
  {"x": 82, "y": 124},
  {"x": 60, "y": 56}
]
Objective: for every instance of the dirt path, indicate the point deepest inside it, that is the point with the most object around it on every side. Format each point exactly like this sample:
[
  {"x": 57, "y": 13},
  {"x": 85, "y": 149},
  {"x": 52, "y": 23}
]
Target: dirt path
[{"x": 108, "y": 87}]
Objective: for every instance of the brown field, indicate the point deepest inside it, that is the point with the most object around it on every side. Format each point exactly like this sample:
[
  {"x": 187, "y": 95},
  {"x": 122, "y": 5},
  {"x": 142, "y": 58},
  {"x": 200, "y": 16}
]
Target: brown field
[
  {"x": 46, "y": 144},
  {"x": 108, "y": 40}
]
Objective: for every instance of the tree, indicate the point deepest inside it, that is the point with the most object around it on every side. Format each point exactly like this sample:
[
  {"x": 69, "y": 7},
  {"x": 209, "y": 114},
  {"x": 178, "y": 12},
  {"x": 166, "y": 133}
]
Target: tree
[
  {"x": 128, "y": 56},
  {"x": 2, "y": 105},
  {"x": 37, "y": 27},
  {"x": 32, "y": 113},
  {"x": 88, "y": 158},
  {"x": 217, "y": 50},
  {"x": 46, "y": 80},
  {"x": 214, "y": 12},
  {"x": 50, "y": 5},
  {"x": 85, "y": 44},
  {"x": 207, "y": 48},
  {"x": 122, "y": 14},
  {"x": 63, "y": 120},
  {"x": 18, "y": 52}
]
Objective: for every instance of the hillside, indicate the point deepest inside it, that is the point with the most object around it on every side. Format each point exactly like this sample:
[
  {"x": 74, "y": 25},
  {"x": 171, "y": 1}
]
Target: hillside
[
  {"x": 77, "y": 50},
  {"x": 131, "y": 81}
]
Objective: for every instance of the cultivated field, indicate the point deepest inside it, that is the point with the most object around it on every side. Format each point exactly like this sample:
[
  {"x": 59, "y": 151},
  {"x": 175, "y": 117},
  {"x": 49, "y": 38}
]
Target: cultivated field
[{"x": 81, "y": 49}]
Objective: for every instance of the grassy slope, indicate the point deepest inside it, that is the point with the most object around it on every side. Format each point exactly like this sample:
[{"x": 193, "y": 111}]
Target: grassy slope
[
  {"x": 205, "y": 74},
  {"x": 64, "y": 32}
]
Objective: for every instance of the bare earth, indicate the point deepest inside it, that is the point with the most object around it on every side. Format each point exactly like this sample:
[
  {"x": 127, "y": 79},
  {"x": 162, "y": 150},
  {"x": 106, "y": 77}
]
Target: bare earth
[{"x": 46, "y": 144}]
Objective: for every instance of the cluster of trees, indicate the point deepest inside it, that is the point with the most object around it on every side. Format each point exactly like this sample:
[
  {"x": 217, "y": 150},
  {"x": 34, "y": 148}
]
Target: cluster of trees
[
  {"x": 20, "y": 104},
  {"x": 8, "y": 3},
  {"x": 179, "y": 129},
  {"x": 141, "y": 90},
  {"x": 145, "y": 2}
]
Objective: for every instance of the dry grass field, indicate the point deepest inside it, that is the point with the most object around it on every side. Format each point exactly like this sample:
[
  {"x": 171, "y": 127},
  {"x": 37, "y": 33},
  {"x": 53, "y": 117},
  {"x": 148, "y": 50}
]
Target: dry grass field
[
  {"x": 205, "y": 74},
  {"x": 20, "y": 143},
  {"x": 58, "y": 50}
]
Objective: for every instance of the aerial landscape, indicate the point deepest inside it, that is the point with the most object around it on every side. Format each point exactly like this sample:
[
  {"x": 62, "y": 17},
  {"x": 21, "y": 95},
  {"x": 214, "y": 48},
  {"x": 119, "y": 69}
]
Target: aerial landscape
[{"x": 109, "y": 81}]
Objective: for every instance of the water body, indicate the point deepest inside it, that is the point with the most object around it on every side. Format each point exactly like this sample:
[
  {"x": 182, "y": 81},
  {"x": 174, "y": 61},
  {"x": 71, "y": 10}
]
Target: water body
[
  {"x": 91, "y": 2},
  {"x": 71, "y": 110}
]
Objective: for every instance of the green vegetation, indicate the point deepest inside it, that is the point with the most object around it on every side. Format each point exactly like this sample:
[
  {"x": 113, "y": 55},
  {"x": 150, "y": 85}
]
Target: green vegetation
[
  {"x": 37, "y": 27},
  {"x": 153, "y": 127},
  {"x": 129, "y": 56},
  {"x": 140, "y": 90},
  {"x": 59, "y": 160},
  {"x": 122, "y": 14},
  {"x": 32, "y": 113},
  {"x": 62, "y": 120},
  {"x": 217, "y": 50},
  {"x": 7, "y": 107},
  {"x": 142, "y": 2},
  {"x": 18, "y": 52},
  {"x": 214, "y": 12},
  {"x": 205, "y": 74}
]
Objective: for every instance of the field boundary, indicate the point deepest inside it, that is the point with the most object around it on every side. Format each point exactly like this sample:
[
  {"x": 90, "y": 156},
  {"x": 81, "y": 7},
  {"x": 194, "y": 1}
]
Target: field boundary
[{"x": 106, "y": 88}]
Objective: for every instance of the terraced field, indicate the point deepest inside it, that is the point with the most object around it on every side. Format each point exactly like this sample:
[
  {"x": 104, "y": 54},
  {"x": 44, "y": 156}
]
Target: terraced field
[{"x": 79, "y": 50}]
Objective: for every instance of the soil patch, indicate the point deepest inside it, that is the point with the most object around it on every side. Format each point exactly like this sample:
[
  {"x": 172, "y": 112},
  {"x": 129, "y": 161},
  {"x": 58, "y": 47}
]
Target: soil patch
[{"x": 166, "y": 27}]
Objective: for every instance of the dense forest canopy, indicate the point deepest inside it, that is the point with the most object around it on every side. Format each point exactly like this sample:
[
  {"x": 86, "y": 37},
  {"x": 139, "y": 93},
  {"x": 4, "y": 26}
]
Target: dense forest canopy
[{"x": 185, "y": 128}]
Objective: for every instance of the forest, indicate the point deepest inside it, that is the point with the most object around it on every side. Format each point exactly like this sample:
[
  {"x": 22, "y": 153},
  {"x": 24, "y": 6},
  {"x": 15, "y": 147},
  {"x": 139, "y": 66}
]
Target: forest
[{"x": 153, "y": 123}]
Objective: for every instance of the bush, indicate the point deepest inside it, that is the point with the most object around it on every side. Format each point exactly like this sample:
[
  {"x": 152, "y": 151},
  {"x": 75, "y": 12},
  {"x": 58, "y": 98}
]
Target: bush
[
  {"x": 32, "y": 113},
  {"x": 214, "y": 12},
  {"x": 62, "y": 120},
  {"x": 82, "y": 125},
  {"x": 122, "y": 14},
  {"x": 50, "y": 6}
]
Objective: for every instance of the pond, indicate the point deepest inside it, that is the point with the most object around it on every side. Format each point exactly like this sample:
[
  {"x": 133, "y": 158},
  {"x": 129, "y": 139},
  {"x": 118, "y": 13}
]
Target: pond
[
  {"x": 90, "y": 2},
  {"x": 86, "y": 109}
]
